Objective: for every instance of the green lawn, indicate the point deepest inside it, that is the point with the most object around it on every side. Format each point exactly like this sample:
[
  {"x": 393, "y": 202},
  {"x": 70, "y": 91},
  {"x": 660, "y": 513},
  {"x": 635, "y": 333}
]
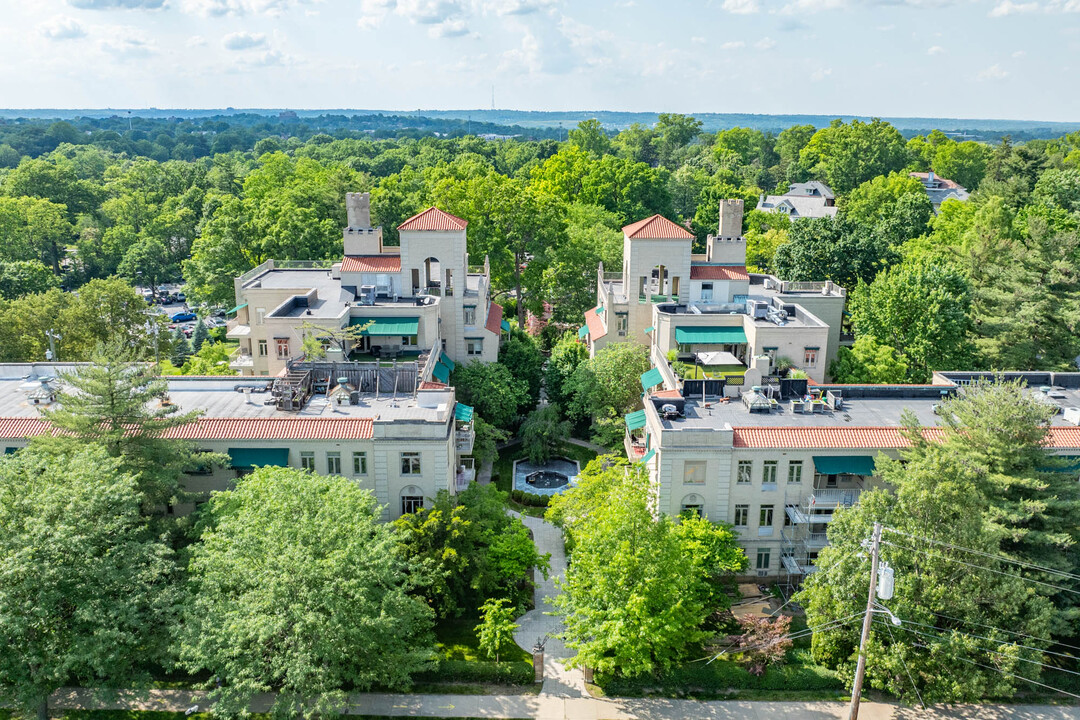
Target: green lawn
[
  {"x": 456, "y": 640},
  {"x": 503, "y": 470}
]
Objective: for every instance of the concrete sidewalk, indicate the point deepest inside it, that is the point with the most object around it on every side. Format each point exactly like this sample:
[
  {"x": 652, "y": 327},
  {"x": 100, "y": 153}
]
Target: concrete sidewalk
[{"x": 548, "y": 707}]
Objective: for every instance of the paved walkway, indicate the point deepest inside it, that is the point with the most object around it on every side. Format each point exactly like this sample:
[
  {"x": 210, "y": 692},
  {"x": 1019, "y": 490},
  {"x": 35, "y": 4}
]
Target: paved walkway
[{"x": 548, "y": 707}]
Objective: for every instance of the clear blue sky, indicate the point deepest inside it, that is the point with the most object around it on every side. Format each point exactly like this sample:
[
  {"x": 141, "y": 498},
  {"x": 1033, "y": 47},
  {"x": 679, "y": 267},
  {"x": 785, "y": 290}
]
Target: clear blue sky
[{"x": 946, "y": 58}]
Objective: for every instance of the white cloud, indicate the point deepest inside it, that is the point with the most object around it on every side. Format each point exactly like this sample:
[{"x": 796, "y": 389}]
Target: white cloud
[
  {"x": 732, "y": 45},
  {"x": 126, "y": 41},
  {"x": 243, "y": 41},
  {"x": 219, "y": 8},
  {"x": 61, "y": 27},
  {"x": 1008, "y": 7},
  {"x": 820, "y": 74},
  {"x": 698, "y": 40},
  {"x": 429, "y": 12},
  {"x": 448, "y": 29},
  {"x": 740, "y": 7},
  {"x": 373, "y": 12},
  {"x": 195, "y": 41},
  {"x": 935, "y": 50},
  {"x": 516, "y": 7},
  {"x": 993, "y": 73},
  {"x": 765, "y": 43},
  {"x": 1019, "y": 54},
  {"x": 117, "y": 4},
  {"x": 808, "y": 7}
]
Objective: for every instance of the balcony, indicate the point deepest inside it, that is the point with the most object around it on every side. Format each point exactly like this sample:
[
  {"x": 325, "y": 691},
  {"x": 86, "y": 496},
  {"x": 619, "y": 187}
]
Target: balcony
[
  {"x": 464, "y": 439},
  {"x": 833, "y": 497},
  {"x": 241, "y": 360},
  {"x": 235, "y": 330},
  {"x": 466, "y": 473}
]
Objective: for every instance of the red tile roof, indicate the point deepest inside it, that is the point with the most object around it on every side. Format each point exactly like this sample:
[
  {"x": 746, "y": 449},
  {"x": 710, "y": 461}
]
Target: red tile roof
[
  {"x": 863, "y": 438},
  {"x": 289, "y": 428},
  {"x": 433, "y": 385},
  {"x": 667, "y": 394},
  {"x": 718, "y": 272},
  {"x": 494, "y": 318},
  {"x": 433, "y": 219},
  {"x": 657, "y": 227},
  {"x": 595, "y": 324},
  {"x": 371, "y": 263}
]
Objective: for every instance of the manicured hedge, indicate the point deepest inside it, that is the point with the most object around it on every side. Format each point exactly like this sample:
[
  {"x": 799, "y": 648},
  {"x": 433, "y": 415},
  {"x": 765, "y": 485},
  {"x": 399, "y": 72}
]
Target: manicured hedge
[
  {"x": 723, "y": 675},
  {"x": 518, "y": 672},
  {"x": 532, "y": 499}
]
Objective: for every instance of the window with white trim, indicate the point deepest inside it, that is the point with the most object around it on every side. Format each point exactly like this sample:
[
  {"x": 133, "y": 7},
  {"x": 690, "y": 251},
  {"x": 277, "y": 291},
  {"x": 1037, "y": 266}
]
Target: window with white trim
[
  {"x": 742, "y": 515},
  {"x": 810, "y": 357},
  {"x": 794, "y": 472},
  {"x": 359, "y": 463},
  {"x": 470, "y": 314},
  {"x": 281, "y": 345},
  {"x": 262, "y": 348},
  {"x": 744, "y": 473},
  {"x": 768, "y": 472},
  {"x": 410, "y": 463},
  {"x": 474, "y": 346},
  {"x": 764, "y": 558},
  {"x": 333, "y": 463},
  {"x": 307, "y": 460},
  {"x": 694, "y": 472}
]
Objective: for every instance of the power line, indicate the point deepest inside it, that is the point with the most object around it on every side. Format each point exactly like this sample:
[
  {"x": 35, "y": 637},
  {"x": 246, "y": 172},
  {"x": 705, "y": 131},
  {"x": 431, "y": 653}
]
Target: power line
[
  {"x": 823, "y": 627},
  {"x": 904, "y": 663},
  {"x": 995, "y": 556},
  {"x": 1010, "y": 632},
  {"x": 999, "y": 671},
  {"x": 981, "y": 567},
  {"x": 988, "y": 639}
]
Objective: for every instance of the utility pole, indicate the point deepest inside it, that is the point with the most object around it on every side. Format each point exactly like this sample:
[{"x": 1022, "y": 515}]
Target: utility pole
[
  {"x": 860, "y": 668},
  {"x": 53, "y": 337}
]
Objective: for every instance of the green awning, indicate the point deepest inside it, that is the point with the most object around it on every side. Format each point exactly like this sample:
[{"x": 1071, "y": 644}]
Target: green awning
[
  {"x": 463, "y": 412},
  {"x": 650, "y": 378},
  {"x": 716, "y": 335},
  {"x": 257, "y": 457},
  {"x": 441, "y": 373},
  {"x": 649, "y": 329},
  {"x": 388, "y": 325},
  {"x": 445, "y": 360},
  {"x": 600, "y": 310},
  {"x": 505, "y": 326},
  {"x": 635, "y": 420},
  {"x": 236, "y": 309},
  {"x": 844, "y": 464},
  {"x": 647, "y": 456},
  {"x": 583, "y": 332}
]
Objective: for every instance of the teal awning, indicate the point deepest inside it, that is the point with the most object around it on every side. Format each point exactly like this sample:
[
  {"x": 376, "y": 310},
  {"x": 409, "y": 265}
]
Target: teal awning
[
  {"x": 257, "y": 457},
  {"x": 716, "y": 335},
  {"x": 635, "y": 420},
  {"x": 583, "y": 332},
  {"x": 441, "y": 373},
  {"x": 236, "y": 309},
  {"x": 445, "y": 360},
  {"x": 647, "y": 456},
  {"x": 387, "y": 325},
  {"x": 505, "y": 326},
  {"x": 844, "y": 464},
  {"x": 649, "y": 329},
  {"x": 463, "y": 412},
  {"x": 650, "y": 378},
  {"x": 600, "y": 310}
]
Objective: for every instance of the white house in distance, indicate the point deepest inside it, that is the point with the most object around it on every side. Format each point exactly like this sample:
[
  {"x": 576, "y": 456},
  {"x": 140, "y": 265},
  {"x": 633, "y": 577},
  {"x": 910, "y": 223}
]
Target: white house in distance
[
  {"x": 707, "y": 309},
  {"x": 779, "y": 459},
  {"x": 811, "y": 199},
  {"x": 939, "y": 189},
  {"x": 415, "y": 296}
]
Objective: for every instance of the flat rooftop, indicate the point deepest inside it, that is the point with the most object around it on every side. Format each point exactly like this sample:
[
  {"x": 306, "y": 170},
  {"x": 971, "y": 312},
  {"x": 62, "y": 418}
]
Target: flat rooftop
[{"x": 222, "y": 398}]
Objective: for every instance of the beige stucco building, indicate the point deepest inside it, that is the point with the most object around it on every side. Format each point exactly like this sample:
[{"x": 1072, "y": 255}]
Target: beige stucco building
[
  {"x": 697, "y": 306},
  {"x": 409, "y": 298}
]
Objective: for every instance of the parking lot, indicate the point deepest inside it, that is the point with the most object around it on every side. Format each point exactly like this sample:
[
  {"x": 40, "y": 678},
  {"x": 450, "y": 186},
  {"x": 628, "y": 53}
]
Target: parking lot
[{"x": 168, "y": 304}]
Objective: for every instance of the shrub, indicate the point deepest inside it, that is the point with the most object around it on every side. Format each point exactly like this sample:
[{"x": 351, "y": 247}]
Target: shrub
[{"x": 517, "y": 672}]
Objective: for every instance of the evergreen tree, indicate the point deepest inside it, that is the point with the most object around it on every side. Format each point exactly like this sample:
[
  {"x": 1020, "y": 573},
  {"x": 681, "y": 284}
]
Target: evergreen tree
[
  {"x": 200, "y": 336},
  {"x": 181, "y": 348},
  {"x": 122, "y": 406}
]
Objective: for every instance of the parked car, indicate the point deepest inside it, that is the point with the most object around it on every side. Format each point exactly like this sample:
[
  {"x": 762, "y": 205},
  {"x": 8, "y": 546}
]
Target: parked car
[
  {"x": 184, "y": 317},
  {"x": 181, "y": 297}
]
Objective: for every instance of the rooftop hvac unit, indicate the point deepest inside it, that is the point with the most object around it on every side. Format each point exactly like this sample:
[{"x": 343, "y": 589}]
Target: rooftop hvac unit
[
  {"x": 670, "y": 411},
  {"x": 758, "y": 308},
  {"x": 367, "y": 294}
]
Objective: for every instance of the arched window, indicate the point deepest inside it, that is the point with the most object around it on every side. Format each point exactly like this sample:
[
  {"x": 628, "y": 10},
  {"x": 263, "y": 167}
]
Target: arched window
[
  {"x": 693, "y": 503},
  {"x": 412, "y": 499}
]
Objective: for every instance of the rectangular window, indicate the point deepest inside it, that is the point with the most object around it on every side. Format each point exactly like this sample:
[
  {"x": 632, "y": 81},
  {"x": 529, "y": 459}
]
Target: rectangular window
[
  {"x": 810, "y": 357},
  {"x": 764, "y": 558},
  {"x": 262, "y": 348},
  {"x": 474, "y": 346},
  {"x": 706, "y": 291},
  {"x": 282, "y": 347},
  {"x": 622, "y": 323},
  {"x": 794, "y": 472},
  {"x": 742, "y": 515},
  {"x": 333, "y": 463},
  {"x": 765, "y": 520},
  {"x": 259, "y": 314},
  {"x": 768, "y": 472},
  {"x": 694, "y": 472},
  {"x": 307, "y": 460},
  {"x": 359, "y": 463},
  {"x": 771, "y": 352},
  {"x": 410, "y": 463},
  {"x": 746, "y": 467},
  {"x": 411, "y": 504},
  {"x": 408, "y": 340},
  {"x": 470, "y": 314}
]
